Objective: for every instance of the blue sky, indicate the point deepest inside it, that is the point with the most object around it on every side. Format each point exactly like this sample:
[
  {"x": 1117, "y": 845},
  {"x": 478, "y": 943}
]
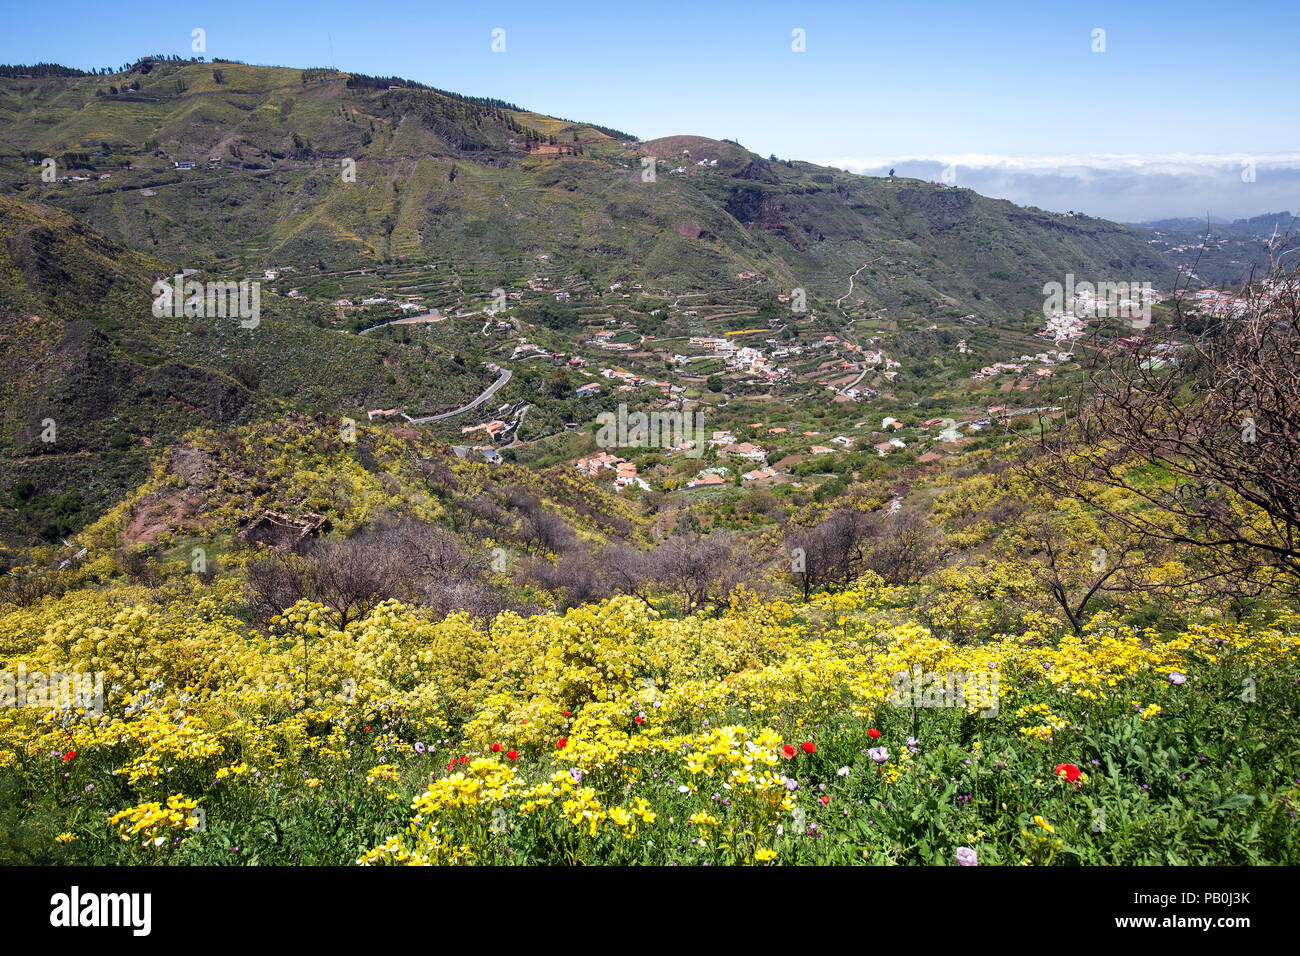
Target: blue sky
[{"x": 993, "y": 84}]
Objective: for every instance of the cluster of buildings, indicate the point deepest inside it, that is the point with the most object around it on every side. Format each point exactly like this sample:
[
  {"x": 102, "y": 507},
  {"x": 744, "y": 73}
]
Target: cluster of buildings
[
  {"x": 1128, "y": 300},
  {"x": 544, "y": 284},
  {"x": 998, "y": 368},
  {"x": 705, "y": 163},
  {"x": 728, "y": 448},
  {"x": 624, "y": 470},
  {"x": 525, "y": 348},
  {"x": 717, "y": 476},
  {"x": 709, "y": 478},
  {"x": 493, "y": 429},
  {"x": 1045, "y": 359},
  {"x": 1121, "y": 300},
  {"x": 744, "y": 359},
  {"x": 631, "y": 381},
  {"x": 409, "y": 307},
  {"x": 1062, "y": 326},
  {"x": 1222, "y": 303},
  {"x": 617, "y": 287},
  {"x": 603, "y": 340},
  {"x": 743, "y": 450}
]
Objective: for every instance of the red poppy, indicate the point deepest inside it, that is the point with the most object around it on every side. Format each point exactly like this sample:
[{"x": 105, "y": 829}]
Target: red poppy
[
  {"x": 562, "y": 743},
  {"x": 367, "y": 728},
  {"x": 638, "y": 719},
  {"x": 512, "y": 754},
  {"x": 566, "y": 713},
  {"x": 462, "y": 760},
  {"x": 788, "y": 751},
  {"x": 496, "y": 748},
  {"x": 452, "y": 765},
  {"x": 873, "y": 733},
  {"x": 824, "y": 800},
  {"x": 69, "y": 755},
  {"x": 1070, "y": 772},
  {"x": 809, "y": 747}
]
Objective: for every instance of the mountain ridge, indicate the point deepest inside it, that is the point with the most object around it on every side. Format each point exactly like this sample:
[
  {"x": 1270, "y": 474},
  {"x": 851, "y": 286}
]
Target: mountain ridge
[{"x": 463, "y": 180}]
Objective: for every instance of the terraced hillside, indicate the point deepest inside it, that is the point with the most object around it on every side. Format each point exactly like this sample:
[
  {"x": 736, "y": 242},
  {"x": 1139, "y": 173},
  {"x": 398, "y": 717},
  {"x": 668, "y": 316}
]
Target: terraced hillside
[
  {"x": 489, "y": 194},
  {"x": 93, "y": 382}
]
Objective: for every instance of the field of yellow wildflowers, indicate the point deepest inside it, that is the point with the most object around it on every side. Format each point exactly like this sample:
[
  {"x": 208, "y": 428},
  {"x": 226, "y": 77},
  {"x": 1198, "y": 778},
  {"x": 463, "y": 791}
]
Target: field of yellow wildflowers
[{"x": 832, "y": 731}]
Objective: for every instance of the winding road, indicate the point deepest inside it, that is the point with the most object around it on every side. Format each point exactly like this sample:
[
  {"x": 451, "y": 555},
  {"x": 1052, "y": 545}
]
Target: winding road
[
  {"x": 854, "y": 382},
  {"x": 852, "y": 277},
  {"x": 488, "y": 392}
]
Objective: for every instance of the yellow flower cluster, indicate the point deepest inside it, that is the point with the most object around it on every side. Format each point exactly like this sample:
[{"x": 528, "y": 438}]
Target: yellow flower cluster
[
  {"x": 153, "y": 823},
  {"x": 194, "y": 697},
  {"x": 1051, "y": 723}
]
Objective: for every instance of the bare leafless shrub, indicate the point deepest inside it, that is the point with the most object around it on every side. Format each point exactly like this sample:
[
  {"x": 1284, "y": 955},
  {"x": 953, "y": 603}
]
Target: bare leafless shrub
[
  {"x": 703, "y": 570},
  {"x": 473, "y": 596},
  {"x": 905, "y": 547},
  {"x": 477, "y": 514},
  {"x": 275, "y": 583},
  {"x": 541, "y": 529},
  {"x": 140, "y": 566},
  {"x": 26, "y": 585},
  {"x": 1075, "y": 574},
  {"x": 901, "y": 547},
  {"x": 576, "y": 577},
  {"x": 349, "y": 576},
  {"x": 1201, "y": 437},
  {"x": 830, "y": 553}
]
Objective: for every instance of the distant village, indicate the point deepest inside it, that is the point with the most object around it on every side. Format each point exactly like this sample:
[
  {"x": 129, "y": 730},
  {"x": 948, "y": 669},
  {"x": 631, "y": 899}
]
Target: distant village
[{"x": 609, "y": 355}]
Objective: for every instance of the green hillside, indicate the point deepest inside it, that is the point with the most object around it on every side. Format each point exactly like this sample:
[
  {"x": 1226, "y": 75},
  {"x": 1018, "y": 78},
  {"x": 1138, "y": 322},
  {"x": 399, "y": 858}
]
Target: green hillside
[
  {"x": 455, "y": 202},
  {"x": 488, "y": 195},
  {"x": 94, "y": 384}
]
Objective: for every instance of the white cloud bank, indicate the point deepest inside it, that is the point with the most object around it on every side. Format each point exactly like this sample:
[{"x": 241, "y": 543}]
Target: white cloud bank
[{"x": 1125, "y": 187}]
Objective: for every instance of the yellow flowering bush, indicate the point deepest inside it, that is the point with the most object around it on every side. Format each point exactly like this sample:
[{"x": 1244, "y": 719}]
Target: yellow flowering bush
[{"x": 616, "y": 733}]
